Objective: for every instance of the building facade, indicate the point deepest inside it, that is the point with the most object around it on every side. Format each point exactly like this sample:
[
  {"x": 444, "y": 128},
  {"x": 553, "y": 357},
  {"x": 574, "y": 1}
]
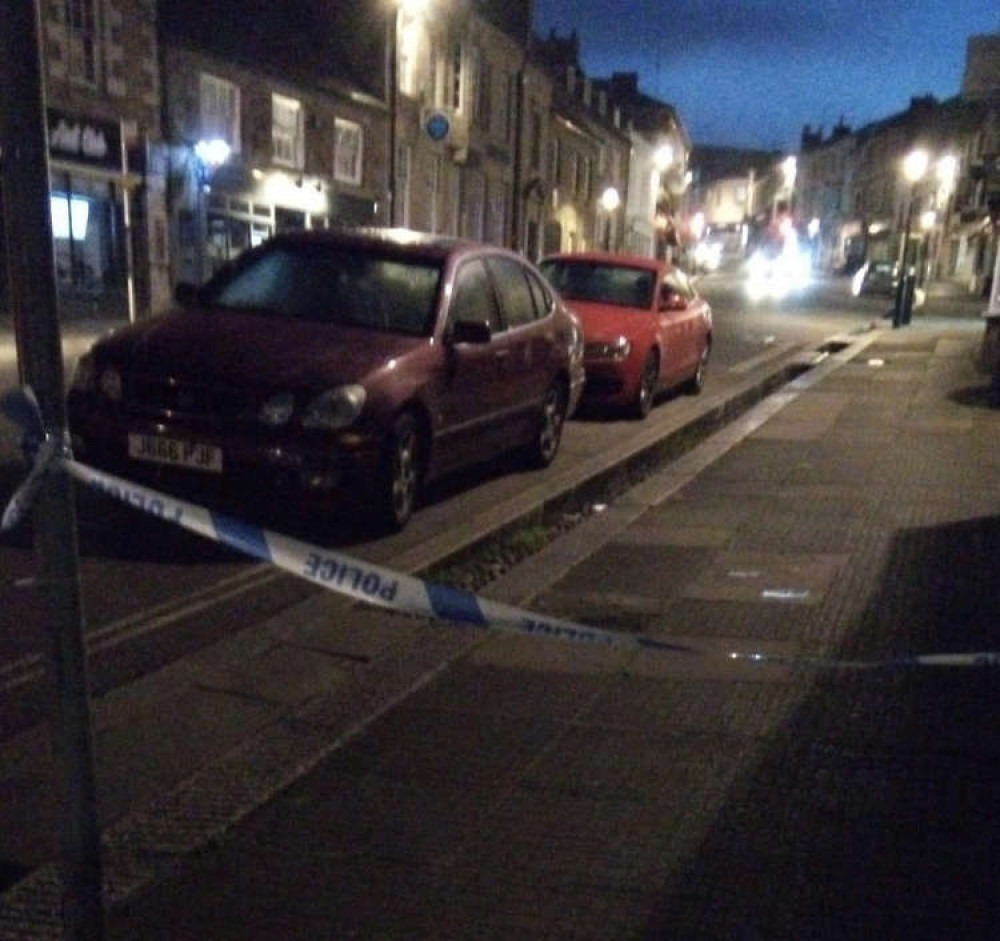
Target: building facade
[{"x": 102, "y": 87}]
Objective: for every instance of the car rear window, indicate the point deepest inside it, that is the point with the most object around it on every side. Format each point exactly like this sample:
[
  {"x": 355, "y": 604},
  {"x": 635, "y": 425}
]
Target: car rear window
[
  {"x": 329, "y": 284},
  {"x": 601, "y": 283}
]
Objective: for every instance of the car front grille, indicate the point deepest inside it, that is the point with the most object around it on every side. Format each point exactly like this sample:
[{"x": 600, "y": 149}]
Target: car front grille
[{"x": 158, "y": 395}]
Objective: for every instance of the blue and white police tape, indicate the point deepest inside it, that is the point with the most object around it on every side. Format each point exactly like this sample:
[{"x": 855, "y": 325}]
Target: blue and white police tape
[{"x": 360, "y": 580}]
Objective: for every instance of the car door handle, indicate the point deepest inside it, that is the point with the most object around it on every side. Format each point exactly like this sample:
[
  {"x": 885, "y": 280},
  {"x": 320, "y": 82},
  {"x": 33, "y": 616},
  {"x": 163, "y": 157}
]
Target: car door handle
[{"x": 502, "y": 354}]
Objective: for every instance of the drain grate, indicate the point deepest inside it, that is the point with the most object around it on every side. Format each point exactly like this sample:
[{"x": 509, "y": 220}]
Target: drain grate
[{"x": 832, "y": 346}]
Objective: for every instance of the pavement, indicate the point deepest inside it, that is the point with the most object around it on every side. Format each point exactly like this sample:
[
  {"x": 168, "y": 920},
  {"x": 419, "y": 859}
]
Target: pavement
[{"x": 434, "y": 782}]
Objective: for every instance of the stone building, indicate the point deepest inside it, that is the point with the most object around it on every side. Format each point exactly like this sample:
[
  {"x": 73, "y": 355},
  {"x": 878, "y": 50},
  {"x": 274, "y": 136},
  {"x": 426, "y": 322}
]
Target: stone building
[
  {"x": 304, "y": 146},
  {"x": 102, "y": 86},
  {"x": 588, "y": 155}
]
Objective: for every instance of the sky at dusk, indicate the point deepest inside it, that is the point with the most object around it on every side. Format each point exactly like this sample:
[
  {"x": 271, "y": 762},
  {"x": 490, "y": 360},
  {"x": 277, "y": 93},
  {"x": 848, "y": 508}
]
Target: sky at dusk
[{"x": 750, "y": 73}]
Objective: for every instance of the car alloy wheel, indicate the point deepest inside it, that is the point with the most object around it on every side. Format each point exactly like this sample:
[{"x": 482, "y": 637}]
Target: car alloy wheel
[
  {"x": 697, "y": 382},
  {"x": 401, "y": 472},
  {"x": 648, "y": 381},
  {"x": 550, "y": 426}
]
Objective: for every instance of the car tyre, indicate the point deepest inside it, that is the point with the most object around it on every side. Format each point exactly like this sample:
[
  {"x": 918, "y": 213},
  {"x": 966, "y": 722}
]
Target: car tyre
[
  {"x": 649, "y": 381},
  {"x": 400, "y": 477},
  {"x": 543, "y": 449},
  {"x": 697, "y": 382}
]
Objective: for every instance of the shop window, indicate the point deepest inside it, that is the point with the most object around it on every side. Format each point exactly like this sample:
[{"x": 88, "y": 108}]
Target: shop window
[
  {"x": 220, "y": 110},
  {"x": 348, "y": 152},
  {"x": 81, "y": 24},
  {"x": 287, "y": 137}
]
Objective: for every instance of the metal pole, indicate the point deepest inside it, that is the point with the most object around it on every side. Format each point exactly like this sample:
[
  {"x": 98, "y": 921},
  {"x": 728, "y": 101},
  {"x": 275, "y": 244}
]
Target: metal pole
[
  {"x": 393, "y": 80},
  {"x": 31, "y": 276},
  {"x": 898, "y": 310}
]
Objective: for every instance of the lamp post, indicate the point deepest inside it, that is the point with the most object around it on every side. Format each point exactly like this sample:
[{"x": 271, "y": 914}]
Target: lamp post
[
  {"x": 210, "y": 155},
  {"x": 914, "y": 167},
  {"x": 610, "y": 201}
]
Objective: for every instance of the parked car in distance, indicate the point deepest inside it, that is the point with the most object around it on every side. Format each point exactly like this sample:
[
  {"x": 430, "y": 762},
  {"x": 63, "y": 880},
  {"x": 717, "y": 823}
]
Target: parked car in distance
[
  {"x": 645, "y": 326},
  {"x": 876, "y": 277},
  {"x": 338, "y": 367}
]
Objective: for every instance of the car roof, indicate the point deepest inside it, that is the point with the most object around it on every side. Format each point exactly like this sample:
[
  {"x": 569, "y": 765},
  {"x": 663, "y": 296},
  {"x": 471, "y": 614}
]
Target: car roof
[
  {"x": 614, "y": 258},
  {"x": 399, "y": 241}
]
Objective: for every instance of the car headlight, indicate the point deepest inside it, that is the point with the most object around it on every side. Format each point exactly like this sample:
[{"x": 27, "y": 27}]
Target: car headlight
[
  {"x": 277, "y": 409},
  {"x": 111, "y": 384},
  {"x": 84, "y": 374},
  {"x": 335, "y": 408},
  {"x": 616, "y": 350}
]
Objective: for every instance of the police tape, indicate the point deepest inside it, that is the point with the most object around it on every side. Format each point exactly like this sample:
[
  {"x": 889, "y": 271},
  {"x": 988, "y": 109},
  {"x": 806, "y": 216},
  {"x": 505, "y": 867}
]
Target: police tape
[{"x": 360, "y": 580}]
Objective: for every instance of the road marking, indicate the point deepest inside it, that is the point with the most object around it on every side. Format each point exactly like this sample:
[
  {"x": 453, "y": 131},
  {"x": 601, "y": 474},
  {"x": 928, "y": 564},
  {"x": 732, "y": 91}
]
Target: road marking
[{"x": 30, "y": 668}]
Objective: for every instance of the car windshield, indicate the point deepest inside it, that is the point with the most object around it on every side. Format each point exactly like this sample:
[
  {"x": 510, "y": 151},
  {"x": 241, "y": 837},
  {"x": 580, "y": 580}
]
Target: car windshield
[
  {"x": 600, "y": 282},
  {"x": 332, "y": 284}
]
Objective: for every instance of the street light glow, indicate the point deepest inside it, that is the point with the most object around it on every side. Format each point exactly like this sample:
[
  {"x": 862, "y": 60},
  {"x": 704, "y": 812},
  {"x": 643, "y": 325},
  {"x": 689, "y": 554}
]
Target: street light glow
[
  {"x": 915, "y": 165},
  {"x": 610, "y": 200},
  {"x": 663, "y": 157},
  {"x": 927, "y": 219},
  {"x": 212, "y": 153},
  {"x": 947, "y": 170}
]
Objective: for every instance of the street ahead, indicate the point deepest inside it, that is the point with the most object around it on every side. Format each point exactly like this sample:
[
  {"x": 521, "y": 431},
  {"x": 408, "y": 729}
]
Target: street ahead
[{"x": 153, "y": 593}]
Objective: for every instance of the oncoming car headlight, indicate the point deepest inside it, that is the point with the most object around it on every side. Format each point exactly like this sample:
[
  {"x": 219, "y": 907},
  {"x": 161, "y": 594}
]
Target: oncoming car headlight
[
  {"x": 335, "y": 408},
  {"x": 616, "y": 350}
]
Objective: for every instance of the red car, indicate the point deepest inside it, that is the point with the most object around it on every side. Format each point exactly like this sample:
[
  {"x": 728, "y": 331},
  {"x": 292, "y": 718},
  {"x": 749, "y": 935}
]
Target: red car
[
  {"x": 342, "y": 366},
  {"x": 645, "y": 326}
]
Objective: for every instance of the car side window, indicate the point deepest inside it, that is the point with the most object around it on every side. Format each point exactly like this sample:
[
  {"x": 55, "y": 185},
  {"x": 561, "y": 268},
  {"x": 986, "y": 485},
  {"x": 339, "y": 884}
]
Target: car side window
[
  {"x": 541, "y": 297},
  {"x": 515, "y": 295},
  {"x": 473, "y": 298}
]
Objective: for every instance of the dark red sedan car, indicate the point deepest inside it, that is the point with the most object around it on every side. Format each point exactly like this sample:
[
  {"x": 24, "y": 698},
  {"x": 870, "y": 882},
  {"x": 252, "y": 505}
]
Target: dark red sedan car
[
  {"x": 645, "y": 326},
  {"x": 339, "y": 365}
]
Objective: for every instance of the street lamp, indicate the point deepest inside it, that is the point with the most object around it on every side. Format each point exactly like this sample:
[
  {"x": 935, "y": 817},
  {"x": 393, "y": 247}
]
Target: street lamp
[
  {"x": 209, "y": 156},
  {"x": 610, "y": 201},
  {"x": 915, "y": 165}
]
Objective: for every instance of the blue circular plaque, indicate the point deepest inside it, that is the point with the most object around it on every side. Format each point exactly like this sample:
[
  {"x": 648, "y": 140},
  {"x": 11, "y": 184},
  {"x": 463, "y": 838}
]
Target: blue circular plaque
[{"x": 437, "y": 125}]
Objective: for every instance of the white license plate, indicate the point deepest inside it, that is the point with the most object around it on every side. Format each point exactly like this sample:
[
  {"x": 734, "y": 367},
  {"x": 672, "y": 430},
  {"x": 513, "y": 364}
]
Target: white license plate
[{"x": 158, "y": 450}]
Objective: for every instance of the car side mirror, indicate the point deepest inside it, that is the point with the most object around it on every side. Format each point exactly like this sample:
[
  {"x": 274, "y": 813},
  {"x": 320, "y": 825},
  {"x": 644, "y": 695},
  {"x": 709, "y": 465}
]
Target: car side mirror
[
  {"x": 470, "y": 331},
  {"x": 669, "y": 300},
  {"x": 186, "y": 294}
]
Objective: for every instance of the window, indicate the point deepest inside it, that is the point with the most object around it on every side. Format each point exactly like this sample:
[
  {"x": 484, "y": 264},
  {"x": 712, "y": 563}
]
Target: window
[
  {"x": 347, "y": 151},
  {"x": 81, "y": 23},
  {"x": 536, "y": 140},
  {"x": 576, "y": 172},
  {"x": 515, "y": 295},
  {"x": 542, "y": 298},
  {"x": 586, "y": 177},
  {"x": 330, "y": 284},
  {"x": 485, "y": 95},
  {"x": 286, "y": 132},
  {"x": 511, "y": 105},
  {"x": 457, "y": 78},
  {"x": 403, "y": 184},
  {"x": 220, "y": 111},
  {"x": 554, "y": 160},
  {"x": 473, "y": 298}
]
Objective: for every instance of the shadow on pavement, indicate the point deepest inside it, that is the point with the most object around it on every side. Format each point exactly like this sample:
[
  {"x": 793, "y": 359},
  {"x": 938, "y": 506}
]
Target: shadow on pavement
[{"x": 871, "y": 813}]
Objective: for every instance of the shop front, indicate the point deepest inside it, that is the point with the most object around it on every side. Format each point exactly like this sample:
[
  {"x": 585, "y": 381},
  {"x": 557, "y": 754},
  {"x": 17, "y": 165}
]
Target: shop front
[
  {"x": 235, "y": 208},
  {"x": 95, "y": 172}
]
